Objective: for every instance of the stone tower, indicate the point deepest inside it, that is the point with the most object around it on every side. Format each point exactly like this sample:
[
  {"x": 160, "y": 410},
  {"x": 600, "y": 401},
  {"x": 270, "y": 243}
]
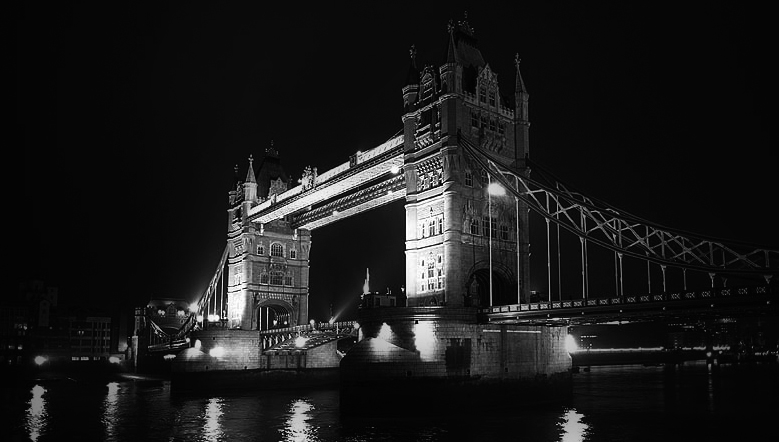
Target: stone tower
[
  {"x": 455, "y": 231},
  {"x": 267, "y": 278}
]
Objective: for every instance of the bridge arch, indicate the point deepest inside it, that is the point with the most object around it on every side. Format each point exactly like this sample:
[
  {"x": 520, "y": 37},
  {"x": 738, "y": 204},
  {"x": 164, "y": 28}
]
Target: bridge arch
[
  {"x": 273, "y": 313},
  {"x": 477, "y": 286}
]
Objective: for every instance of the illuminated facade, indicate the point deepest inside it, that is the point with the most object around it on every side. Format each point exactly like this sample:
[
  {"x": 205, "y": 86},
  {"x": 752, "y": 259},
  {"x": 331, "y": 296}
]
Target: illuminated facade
[
  {"x": 452, "y": 224},
  {"x": 267, "y": 265}
]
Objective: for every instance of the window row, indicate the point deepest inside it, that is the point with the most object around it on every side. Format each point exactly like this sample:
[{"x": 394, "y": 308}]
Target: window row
[
  {"x": 486, "y": 96},
  {"x": 488, "y": 226},
  {"x": 487, "y": 123},
  {"x": 276, "y": 249},
  {"x": 276, "y": 278},
  {"x": 432, "y": 274},
  {"x": 431, "y": 226},
  {"x": 483, "y": 179}
]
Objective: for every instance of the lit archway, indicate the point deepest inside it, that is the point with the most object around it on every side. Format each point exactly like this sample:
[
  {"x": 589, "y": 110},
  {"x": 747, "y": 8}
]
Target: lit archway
[{"x": 273, "y": 314}]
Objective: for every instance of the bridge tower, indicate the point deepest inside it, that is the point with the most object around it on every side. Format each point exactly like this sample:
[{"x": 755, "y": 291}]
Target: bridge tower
[
  {"x": 455, "y": 231},
  {"x": 267, "y": 278}
]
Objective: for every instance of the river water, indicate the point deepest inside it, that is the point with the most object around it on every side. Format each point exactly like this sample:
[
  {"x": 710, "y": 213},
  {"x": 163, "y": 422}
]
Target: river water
[{"x": 689, "y": 402}]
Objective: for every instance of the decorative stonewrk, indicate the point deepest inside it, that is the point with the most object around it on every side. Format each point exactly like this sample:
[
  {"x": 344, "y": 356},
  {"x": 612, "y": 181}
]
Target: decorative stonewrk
[
  {"x": 464, "y": 249},
  {"x": 267, "y": 262},
  {"x": 462, "y": 100}
]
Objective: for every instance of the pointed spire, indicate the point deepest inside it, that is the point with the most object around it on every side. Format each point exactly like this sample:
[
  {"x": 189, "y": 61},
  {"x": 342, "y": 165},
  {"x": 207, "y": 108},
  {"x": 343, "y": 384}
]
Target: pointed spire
[
  {"x": 413, "y": 72},
  {"x": 250, "y": 174},
  {"x": 451, "y": 54},
  {"x": 519, "y": 85}
]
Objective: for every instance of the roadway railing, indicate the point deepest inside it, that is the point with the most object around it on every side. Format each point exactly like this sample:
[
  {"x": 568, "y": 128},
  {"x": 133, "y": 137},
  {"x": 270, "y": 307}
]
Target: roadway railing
[{"x": 718, "y": 293}]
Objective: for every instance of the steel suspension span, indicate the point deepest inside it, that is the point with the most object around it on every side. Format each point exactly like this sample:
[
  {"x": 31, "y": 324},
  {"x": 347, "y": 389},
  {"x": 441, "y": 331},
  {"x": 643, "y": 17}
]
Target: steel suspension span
[{"x": 596, "y": 222}]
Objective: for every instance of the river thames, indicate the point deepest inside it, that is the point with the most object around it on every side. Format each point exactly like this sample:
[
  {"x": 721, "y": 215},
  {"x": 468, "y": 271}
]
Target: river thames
[{"x": 693, "y": 401}]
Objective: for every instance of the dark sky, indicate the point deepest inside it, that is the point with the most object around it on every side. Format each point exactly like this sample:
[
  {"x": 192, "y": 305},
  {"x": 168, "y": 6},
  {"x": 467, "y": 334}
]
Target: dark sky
[{"x": 131, "y": 120}]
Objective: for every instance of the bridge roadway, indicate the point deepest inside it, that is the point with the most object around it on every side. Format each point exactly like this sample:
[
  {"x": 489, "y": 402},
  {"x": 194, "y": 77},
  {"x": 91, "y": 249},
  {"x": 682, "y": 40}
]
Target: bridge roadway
[
  {"x": 728, "y": 301},
  {"x": 370, "y": 179}
]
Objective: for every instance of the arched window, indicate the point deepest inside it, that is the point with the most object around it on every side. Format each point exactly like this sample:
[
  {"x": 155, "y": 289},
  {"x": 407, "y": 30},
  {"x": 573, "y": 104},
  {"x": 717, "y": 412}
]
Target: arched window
[
  {"x": 293, "y": 254},
  {"x": 264, "y": 278},
  {"x": 276, "y": 249},
  {"x": 260, "y": 249}
]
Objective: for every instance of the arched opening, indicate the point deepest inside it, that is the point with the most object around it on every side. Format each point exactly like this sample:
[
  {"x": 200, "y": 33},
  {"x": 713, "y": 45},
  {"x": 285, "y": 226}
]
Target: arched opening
[
  {"x": 273, "y": 316},
  {"x": 478, "y": 288}
]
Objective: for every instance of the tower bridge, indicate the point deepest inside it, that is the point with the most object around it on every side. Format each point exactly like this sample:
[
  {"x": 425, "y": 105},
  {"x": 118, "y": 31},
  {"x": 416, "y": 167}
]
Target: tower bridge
[{"x": 461, "y": 164}]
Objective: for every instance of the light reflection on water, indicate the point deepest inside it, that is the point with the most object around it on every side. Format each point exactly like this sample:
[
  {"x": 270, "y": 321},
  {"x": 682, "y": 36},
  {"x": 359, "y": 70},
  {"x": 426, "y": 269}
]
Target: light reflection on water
[
  {"x": 37, "y": 415},
  {"x": 619, "y": 403},
  {"x": 212, "y": 427},
  {"x": 110, "y": 407},
  {"x": 574, "y": 430},
  {"x": 297, "y": 427}
]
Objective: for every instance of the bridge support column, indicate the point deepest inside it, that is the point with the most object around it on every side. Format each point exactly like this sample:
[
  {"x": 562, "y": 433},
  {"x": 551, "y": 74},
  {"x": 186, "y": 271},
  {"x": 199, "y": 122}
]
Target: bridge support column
[{"x": 440, "y": 359}]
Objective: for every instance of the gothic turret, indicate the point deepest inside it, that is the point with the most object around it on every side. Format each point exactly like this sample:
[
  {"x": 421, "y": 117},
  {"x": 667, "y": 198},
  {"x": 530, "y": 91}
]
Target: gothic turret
[
  {"x": 250, "y": 186},
  {"x": 521, "y": 115},
  {"x": 411, "y": 88}
]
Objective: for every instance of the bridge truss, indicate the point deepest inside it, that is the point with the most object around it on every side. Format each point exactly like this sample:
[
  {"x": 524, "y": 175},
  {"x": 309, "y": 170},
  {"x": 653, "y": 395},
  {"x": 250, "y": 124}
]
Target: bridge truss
[{"x": 595, "y": 222}]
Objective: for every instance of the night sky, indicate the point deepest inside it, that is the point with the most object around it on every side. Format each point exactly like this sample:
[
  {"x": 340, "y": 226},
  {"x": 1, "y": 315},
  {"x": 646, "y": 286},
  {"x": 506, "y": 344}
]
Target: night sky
[{"x": 131, "y": 121}]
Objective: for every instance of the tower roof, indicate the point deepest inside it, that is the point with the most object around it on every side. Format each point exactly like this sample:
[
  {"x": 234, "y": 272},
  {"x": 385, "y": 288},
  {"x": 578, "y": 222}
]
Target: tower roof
[
  {"x": 269, "y": 170},
  {"x": 250, "y": 172},
  {"x": 463, "y": 45}
]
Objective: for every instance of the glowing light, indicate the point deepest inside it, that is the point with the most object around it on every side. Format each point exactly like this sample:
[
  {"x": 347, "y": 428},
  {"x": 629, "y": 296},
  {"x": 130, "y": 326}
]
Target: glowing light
[
  {"x": 570, "y": 344},
  {"x": 385, "y": 333},
  {"x": 40, "y": 360},
  {"x": 217, "y": 352},
  {"x": 300, "y": 342},
  {"x": 198, "y": 344},
  {"x": 395, "y": 168},
  {"x": 114, "y": 360},
  {"x": 199, "y": 318},
  {"x": 425, "y": 340},
  {"x": 213, "y": 318},
  {"x": 168, "y": 357},
  {"x": 495, "y": 189},
  {"x": 193, "y": 307}
]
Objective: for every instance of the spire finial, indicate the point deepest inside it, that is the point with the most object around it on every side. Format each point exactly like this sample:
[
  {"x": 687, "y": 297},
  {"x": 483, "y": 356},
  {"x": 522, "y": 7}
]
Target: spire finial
[
  {"x": 517, "y": 59},
  {"x": 450, "y": 26}
]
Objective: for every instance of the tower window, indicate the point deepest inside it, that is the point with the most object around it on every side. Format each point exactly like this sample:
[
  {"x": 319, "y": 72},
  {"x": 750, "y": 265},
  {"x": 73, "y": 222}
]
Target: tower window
[
  {"x": 468, "y": 178},
  {"x": 276, "y": 278},
  {"x": 288, "y": 280},
  {"x": 483, "y": 94},
  {"x": 293, "y": 254},
  {"x": 492, "y": 125},
  {"x": 504, "y": 232},
  {"x": 492, "y": 98},
  {"x": 474, "y": 227},
  {"x": 276, "y": 249},
  {"x": 474, "y": 119},
  {"x": 260, "y": 249}
]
